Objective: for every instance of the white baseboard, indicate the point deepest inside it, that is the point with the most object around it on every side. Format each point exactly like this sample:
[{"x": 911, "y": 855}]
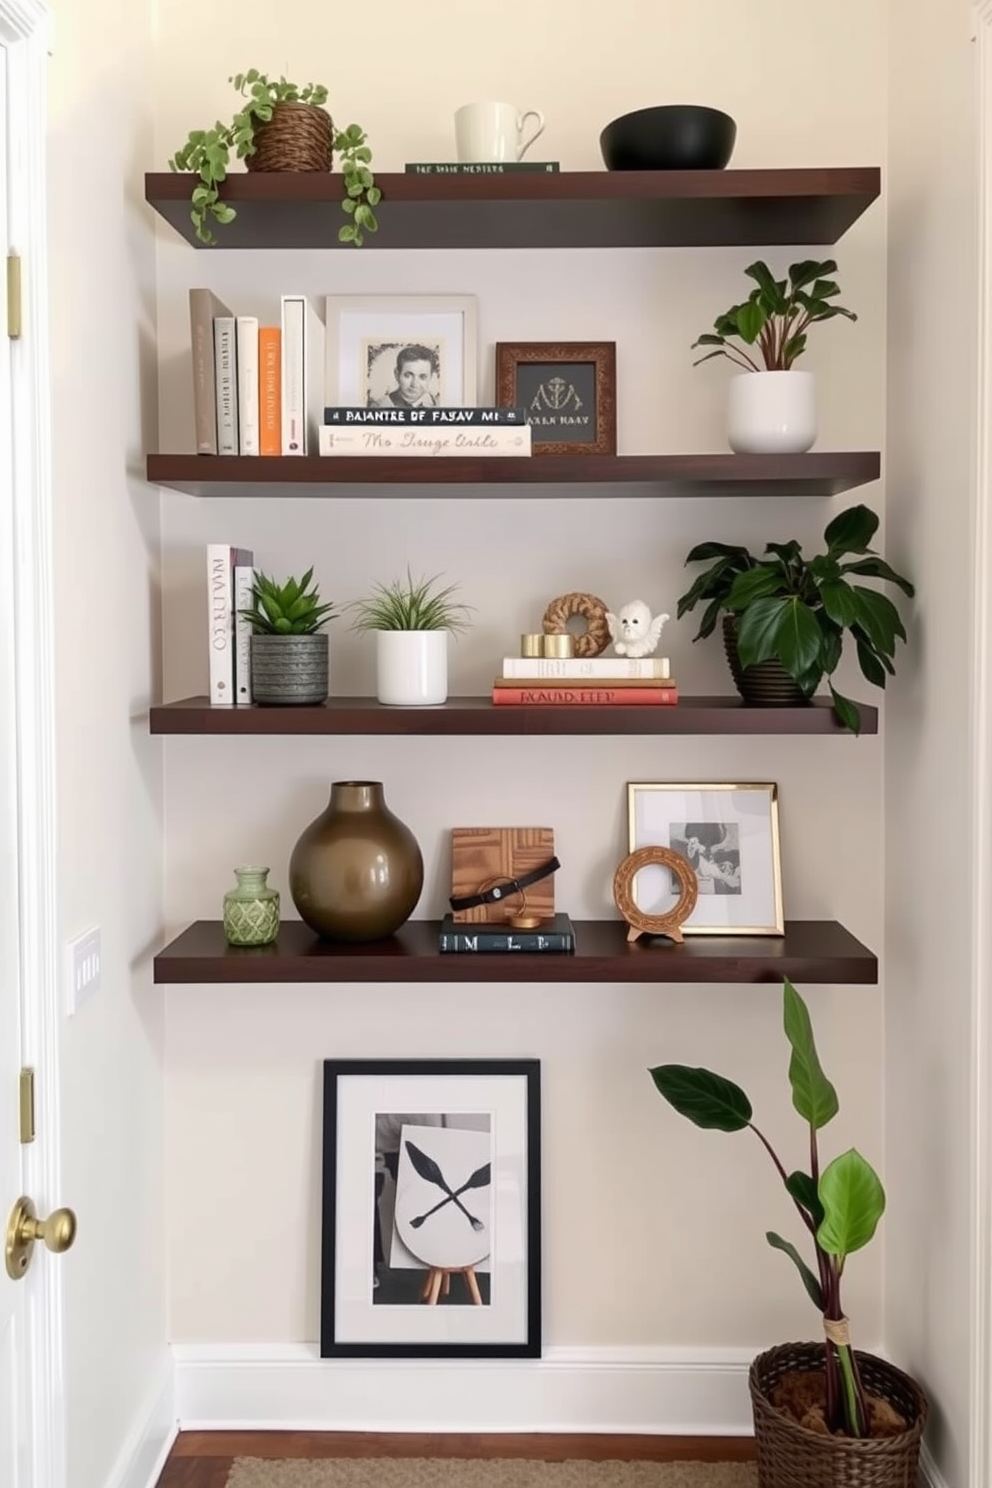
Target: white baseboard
[
  {"x": 150, "y": 1439},
  {"x": 673, "y": 1392}
]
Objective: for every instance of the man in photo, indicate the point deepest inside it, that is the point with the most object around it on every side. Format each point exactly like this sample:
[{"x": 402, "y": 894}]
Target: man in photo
[{"x": 416, "y": 369}]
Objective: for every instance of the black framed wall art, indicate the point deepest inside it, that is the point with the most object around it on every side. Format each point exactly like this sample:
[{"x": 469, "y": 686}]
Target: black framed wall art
[{"x": 569, "y": 390}]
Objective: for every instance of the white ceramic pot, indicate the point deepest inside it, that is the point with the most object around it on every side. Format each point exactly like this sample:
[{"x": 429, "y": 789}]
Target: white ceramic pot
[
  {"x": 772, "y": 413},
  {"x": 412, "y": 667}
]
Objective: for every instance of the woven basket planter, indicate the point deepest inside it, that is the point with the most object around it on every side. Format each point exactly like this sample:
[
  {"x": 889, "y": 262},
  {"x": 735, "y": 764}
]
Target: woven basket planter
[
  {"x": 298, "y": 137},
  {"x": 789, "y": 1455},
  {"x": 767, "y": 685}
]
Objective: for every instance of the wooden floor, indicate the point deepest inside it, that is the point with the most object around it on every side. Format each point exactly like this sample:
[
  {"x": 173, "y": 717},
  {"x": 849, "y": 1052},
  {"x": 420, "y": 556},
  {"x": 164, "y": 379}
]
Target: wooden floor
[{"x": 202, "y": 1459}]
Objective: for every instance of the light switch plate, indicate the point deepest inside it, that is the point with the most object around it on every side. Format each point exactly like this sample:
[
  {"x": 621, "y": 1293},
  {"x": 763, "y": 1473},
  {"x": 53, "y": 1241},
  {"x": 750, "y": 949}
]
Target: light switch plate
[{"x": 82, "y": 968}]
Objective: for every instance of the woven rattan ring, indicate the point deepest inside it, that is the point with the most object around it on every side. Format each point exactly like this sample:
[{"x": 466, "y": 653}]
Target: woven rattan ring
[
  {"x": 623, "y": 893},
  {"x": 596, "y": 636}
]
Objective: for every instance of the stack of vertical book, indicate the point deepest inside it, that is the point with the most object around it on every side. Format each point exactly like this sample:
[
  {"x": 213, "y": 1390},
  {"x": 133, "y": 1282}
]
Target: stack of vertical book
[
  {"x": 539, "y": 681},
  {"x": 230, "y": 582},
  {"x": 556, "y": 934}
]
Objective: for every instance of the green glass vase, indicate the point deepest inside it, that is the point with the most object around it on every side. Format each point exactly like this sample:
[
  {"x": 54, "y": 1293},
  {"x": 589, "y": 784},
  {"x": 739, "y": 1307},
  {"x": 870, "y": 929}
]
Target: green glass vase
[{"x": 251, "y": 910}]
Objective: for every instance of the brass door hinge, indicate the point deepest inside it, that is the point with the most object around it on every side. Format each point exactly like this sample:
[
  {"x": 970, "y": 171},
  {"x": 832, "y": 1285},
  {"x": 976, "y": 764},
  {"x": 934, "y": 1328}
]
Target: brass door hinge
[
  {"x": 13, "y": 296},
  {"x": 27, "y": 1106}
]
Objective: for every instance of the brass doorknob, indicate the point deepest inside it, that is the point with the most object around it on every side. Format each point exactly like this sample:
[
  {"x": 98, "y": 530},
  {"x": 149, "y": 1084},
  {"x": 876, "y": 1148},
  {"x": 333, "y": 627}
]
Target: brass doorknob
[{"x": 24, "y": 1227}]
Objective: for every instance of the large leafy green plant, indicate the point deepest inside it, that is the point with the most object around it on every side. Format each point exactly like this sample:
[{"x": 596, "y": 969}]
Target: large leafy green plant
[
  {"x": 411, "y": 604},
  {"x": 839, "y": 1205},
  {"x": 289, "y": 609},
  {"x": 798, "y": 610},
  {"x": 208, "y": 153},
  {"x": 775, "y": 317}
]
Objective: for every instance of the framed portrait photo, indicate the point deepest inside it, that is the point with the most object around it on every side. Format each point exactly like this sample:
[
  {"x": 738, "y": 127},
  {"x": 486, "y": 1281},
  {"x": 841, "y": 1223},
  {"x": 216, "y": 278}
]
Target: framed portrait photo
[
  {"x": 431, "y": 1231},
  {"x": 569, "y": 390},
  {"x": 404, "y": 351},
  {"x": 729, "y": 834}
]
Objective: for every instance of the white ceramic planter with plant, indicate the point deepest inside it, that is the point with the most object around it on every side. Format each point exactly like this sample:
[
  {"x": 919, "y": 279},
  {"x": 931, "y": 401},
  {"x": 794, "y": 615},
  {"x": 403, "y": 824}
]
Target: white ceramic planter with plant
[
  {"x": 412, "y": 620},
  {"x": 771, "y": 406}
]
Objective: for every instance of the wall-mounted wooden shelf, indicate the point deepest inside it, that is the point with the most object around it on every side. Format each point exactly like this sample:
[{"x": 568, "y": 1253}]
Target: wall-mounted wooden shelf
[
  {"x": 478, "y": 715},
  {"x": 570, "y": 209},
  {"x": 810, "y": 951},
  {"x": 826, "y": 473}
]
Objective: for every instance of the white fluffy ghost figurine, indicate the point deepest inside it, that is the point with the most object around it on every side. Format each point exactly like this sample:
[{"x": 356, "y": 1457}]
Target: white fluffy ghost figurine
[{"x": 633, "y": 631}]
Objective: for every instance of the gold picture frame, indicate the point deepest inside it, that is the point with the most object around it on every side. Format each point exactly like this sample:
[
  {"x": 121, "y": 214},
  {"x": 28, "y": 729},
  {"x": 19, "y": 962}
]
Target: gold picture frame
[{"x": 729, "y": 832}]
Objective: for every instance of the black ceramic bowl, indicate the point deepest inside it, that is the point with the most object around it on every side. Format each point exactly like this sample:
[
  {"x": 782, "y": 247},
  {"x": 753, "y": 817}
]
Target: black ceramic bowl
[{"x": 675, "y": 136}]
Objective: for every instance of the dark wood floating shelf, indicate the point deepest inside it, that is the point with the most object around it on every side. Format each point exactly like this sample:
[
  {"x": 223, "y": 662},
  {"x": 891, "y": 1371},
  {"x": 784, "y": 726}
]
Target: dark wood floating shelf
[
  {"x": 569, "y": 209},
  {"x": 810, "y": 951},
  {"x": 821, "y": 473},
  {"x": 478, "y": 715}
]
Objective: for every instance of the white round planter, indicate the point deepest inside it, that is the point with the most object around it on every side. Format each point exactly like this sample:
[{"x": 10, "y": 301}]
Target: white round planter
[
  {"x": 772, "y": 413},
  {"x": 412, "y": 667}
]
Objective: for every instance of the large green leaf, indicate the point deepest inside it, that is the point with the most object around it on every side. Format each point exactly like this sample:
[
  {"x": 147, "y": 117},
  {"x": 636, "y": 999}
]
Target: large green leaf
[
  {"x": 871, "y": 667},
  {"x": 812, "y": 1093},
  {"x": 853, "y": 1202},
  {"x": 809, "y": 271},
  {"x": 772, "y": 289},
  {"x": 798, "y": 640},
  {"x": 833, "y": 642},
  {"x": 839, "y": 601},
  {"x": 703, "y": 1097},
  {"x": 879, "y": 618},
  {"x": 877, "y": 568},
  {"x": 851, "y": 531},
  {"x": 802, "y": 1188},
  {"x": 755, "y": 583},
  {"x": 809, "y": 1280},
  {"x": 848, "y": 712},
  {"x": 702, "y": 552},
  {"x": 757, "y": 630},
  {"x": 788, "y": 552},
  {"x": 751, "y": 321}
]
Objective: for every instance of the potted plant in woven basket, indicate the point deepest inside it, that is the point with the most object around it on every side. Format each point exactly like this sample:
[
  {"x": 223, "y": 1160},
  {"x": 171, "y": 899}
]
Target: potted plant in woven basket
[
  {"x": 412, "y": 619},
  {"x": 825, "y": 1414},
  {"x": 279, "y": 127},
  {"x": 785, "y": 616},
  {"x": 289, "y": 650}
]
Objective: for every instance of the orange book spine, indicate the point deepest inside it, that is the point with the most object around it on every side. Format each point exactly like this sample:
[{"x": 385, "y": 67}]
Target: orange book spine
[
  {"x": 269, "y": 390},
  {"x": 598, "y": 697}
]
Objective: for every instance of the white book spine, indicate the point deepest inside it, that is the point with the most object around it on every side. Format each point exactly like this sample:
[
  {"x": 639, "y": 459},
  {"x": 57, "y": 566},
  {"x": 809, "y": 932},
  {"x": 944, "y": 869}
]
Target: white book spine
[
  {"x": 294, "y": 355},
  {"x": 225, "y": 367},
  {"x": 377, "y": 440},
  {"x": 592, "y": 667},
  {"x": 220, "y": 622},
  {"x": 244, "y": 579},
  {"x": 248, "y": 425}
]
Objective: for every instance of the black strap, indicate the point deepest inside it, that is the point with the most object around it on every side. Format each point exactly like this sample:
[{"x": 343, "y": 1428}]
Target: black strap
[{"x": 499, "y": 891}]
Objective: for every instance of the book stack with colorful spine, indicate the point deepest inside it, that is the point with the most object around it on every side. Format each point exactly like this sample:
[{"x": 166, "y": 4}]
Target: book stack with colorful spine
[
  {"x": 556, "y": 934},
  {"x": 602, "y": 681}
]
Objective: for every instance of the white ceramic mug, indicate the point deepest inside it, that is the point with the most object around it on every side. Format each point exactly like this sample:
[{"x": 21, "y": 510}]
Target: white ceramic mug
[{"x": 494, "y": 131}]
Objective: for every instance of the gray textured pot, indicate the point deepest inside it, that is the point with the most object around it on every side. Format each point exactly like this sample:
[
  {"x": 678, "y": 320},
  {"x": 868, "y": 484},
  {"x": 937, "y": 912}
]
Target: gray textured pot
[
  {"x": 767, "y": 685},
  {"x": 289, "y": 669}
]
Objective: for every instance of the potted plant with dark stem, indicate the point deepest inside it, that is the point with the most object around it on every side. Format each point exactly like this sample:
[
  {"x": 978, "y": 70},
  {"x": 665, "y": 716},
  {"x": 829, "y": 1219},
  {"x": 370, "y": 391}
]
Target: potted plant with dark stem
[
  {"x": 772, "y": 407},
  {"x": 289, "y": 648},
  {"x": 826, "y": 1415},
  {"x": 785, "y": 617},
  {"x": 412, "y": 619},
  {"x": 279, "y": 126}
]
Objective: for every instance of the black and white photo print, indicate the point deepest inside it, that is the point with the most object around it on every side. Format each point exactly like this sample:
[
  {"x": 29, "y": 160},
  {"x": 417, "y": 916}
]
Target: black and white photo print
[
  {"x": 401, "y": 374},
  {"x": 714, "y": 851}
]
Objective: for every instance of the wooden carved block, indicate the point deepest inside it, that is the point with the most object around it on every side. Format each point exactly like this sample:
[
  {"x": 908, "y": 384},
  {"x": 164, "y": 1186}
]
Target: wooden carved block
[{"x": 481, "y": 856}]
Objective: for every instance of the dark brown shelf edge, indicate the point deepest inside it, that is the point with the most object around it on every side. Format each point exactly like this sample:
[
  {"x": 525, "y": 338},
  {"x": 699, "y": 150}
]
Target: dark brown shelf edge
[
  {"x": 821, "y": 951},
  {"x": 480, "y": 716}
]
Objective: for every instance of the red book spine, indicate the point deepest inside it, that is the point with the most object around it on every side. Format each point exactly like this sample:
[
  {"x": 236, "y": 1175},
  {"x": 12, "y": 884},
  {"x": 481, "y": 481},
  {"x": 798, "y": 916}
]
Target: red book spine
[{"x": 598, "y": 697}]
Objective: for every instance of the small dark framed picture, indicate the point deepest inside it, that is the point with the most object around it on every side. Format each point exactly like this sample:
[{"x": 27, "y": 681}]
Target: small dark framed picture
[
  {"x": 569, "y": 389},
  {"x": 431, "y": 1215}
]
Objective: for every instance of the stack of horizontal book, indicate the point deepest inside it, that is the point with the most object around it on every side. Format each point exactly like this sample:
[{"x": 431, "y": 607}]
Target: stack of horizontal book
[
  {"x": 539, "y": 681},
  {"x": 556, "y": 934},
  {"x": 430, "y": 430}
]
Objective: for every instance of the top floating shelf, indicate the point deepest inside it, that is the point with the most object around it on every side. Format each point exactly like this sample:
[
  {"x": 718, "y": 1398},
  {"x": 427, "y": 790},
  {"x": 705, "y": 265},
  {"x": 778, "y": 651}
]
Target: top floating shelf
[{"x": 570, "y": 209}]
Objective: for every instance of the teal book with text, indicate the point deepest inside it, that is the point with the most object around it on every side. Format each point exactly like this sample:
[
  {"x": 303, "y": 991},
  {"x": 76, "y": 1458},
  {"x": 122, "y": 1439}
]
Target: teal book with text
[{"x": 557, "y": 934}]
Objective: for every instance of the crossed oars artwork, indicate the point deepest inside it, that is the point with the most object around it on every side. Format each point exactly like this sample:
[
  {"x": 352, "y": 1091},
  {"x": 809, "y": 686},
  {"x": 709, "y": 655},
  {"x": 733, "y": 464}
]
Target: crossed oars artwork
[{"x": 444, "y": 1208}]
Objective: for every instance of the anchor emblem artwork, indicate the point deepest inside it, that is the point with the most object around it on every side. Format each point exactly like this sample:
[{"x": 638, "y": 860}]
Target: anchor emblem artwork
[{"x": 568, "y": 389}]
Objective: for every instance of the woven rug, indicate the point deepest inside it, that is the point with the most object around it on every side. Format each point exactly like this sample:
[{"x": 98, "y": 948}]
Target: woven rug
[{"x": 436, "y": 1472}]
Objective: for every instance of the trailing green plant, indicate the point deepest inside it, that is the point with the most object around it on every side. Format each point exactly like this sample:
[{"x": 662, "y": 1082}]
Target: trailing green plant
[
  {"x": 413, "y": 604},
  {"x": 839, "y": 1205},
  {"x": 775, "y": 317},
  {"x": 797, "y": 610},
  {"x": 208, "y": 153},
  {"x": 288, "y": 609}
]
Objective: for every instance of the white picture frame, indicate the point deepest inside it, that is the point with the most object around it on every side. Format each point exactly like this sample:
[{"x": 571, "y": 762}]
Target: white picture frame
[
  {"x": 730, "y": 835},
  {"x": 366, "y": 334}
]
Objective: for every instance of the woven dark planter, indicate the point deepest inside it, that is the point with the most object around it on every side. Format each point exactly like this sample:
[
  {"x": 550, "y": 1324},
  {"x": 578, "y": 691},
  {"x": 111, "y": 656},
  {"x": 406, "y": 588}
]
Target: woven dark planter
[
  {"x": 289, "y": 669},
  {"x": 767, "y": 685},
  {"x": 298, "y": 137},
  {"x": 790, "y": 1455}
]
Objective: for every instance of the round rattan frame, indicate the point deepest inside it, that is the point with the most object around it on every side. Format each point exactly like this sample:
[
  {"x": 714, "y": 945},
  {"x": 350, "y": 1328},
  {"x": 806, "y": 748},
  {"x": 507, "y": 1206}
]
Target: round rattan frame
[{"x": 623, "y": 893}]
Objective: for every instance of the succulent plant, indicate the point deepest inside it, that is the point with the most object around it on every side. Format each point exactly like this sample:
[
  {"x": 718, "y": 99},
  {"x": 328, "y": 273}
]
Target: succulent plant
[{"x": 287, "y": 609}]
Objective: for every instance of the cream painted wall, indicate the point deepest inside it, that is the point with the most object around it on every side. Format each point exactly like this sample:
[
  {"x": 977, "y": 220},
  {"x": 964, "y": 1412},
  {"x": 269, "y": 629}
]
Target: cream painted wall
[
  {"x": 679, "y": 1210},
  {"x": 928, "y": 746},
  {"x": 108, "y": 667}
]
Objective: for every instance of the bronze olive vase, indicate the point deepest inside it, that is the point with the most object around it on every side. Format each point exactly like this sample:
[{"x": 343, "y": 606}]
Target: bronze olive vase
[{"x": 356, "y": 872}]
